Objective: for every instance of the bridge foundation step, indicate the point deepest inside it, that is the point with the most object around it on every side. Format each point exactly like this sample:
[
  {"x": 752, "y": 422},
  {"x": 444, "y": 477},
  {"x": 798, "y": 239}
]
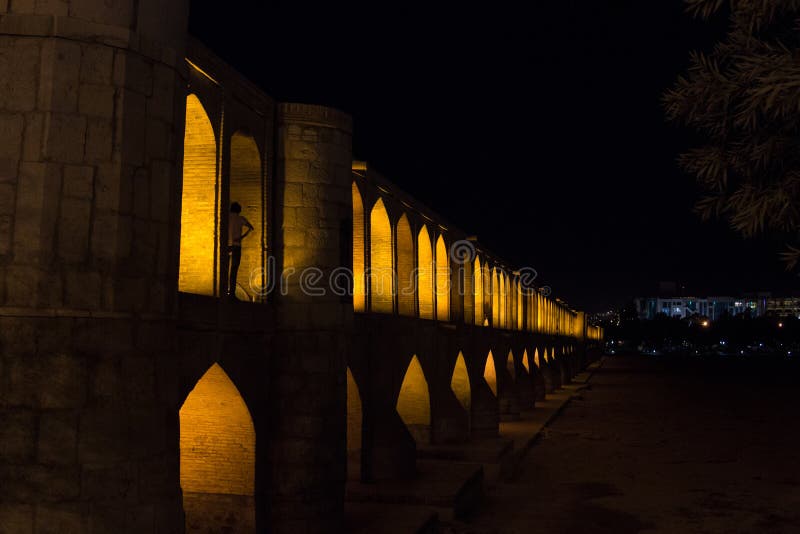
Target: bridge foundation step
[{"x": 454, "y": 486}]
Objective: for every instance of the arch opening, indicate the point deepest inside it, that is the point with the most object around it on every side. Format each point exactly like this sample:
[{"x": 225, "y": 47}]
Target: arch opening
[
  {"x": 381, "y": 284},
  {"x": 443, "y": 286},
  {"x": 406, "y": 283},
  {"x": 425, "y": 274},
  {"x": 490, "y": 374},
  {"x": 525, "y": 363},
  {"x": 217, "y": 456},
  {"x": 511, "y": 366},
  {"x": 359, "y": 253},
  {"x": 198, "y": 258},
  {"x": 459, "y": 383},
  {"x": 414, "y": 403},
  {"x": 247, "y": 188}
]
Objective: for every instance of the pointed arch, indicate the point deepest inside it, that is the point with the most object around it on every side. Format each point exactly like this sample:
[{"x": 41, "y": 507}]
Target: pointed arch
[
  {"x": 217, "y": 453},
  {"x": 247, "y": 188},
  {"x": 414, "y": 403},
  {"x": 552, "y": 353},
  {"x": 477, "y": 278},
  {"x": 525, "y": 363},
  {"x": 359, "y": 253},
  {"x": 198, "y": 258},
  {"x": 406, "y": 281},
  {"x": 490, "y": 373},
  {"x": 511, "y": 366},
  {"x": 496, "y": 300},
  {"x": 381, "y": 283},
  {"x": 546, "y": 358},
  {"x": 459, "y": 383},
  {"x": 487, "y": 294},
  {"x": 425, "y": 274},
  {"x": 536, "y": 358},
  {"x": 442, "y": 281}
]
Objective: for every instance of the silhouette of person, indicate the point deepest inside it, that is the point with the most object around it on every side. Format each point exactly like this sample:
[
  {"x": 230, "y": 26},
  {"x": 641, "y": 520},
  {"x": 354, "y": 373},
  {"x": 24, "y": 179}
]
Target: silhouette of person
[{"x": 235, "y": 225}]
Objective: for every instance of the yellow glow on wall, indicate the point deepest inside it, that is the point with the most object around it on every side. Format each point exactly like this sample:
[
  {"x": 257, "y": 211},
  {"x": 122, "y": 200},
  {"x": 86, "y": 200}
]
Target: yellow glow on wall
[
  {"x": 359, "y": 290},
  {"x": 442, "y": 281},
  {"x": 246, "y": 188},
  {"x": 198, "y": 203},
  {"x": 536, "y": 358},
  {"x": 490, "y": 374},
  {"x": 511, "y": 366},
  {"x": 487, "y": 294},
  {"x": 525, "y": 363},
  {"x": 425, "y": 274},
  {"x": 496, "y": 299},
  {"x": 553, "y": 353},
  {"x": 406, "y": 281},
  {"x": 381, "y": 283},
  {"x": 520, "y": 307},
  {"x": 546, "y": 359},
  {"x": 217, "y": 438},
  {"x": 507, "y": 319},
  {"x": 459, "y": 383},
  {"x": 414, "y": 404},
  {"x": 477, "y": 277}
]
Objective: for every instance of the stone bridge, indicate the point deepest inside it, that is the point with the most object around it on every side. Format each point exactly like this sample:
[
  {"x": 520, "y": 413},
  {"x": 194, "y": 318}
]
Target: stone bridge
[{"x": 134, "y": 395}]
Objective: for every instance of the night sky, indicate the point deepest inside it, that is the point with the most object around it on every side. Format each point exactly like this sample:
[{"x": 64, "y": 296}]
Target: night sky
[{"x": 539, "y": 130}]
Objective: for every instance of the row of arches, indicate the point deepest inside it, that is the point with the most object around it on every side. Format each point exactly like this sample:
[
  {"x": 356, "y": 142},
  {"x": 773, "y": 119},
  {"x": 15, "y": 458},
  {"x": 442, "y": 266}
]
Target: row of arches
[
  {"x": 220, "y": 166},
  {"x": 410, "y": 270},
  {"x": 413, "y": 402}
]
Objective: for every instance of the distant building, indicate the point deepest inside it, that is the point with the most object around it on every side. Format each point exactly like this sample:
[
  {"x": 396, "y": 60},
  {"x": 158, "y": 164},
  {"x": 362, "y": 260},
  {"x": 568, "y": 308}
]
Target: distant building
[
  {"x": 783, "y": 306},
  {"x": 712, "y": 307}
]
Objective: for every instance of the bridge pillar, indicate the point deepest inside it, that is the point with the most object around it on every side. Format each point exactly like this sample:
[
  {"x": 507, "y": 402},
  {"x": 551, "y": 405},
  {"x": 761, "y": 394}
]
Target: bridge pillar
[
  {"x": 90, "y": 133},
  {"x": 307, "y": 447}
]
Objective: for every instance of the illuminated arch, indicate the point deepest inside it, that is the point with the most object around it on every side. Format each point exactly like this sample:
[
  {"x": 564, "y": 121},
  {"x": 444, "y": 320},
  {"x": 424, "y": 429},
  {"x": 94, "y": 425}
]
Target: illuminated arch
[
  {"x": 525, "y": 363},
  {"x": 477, "y": 278},
  {"x": 354, "y": 422},
  {"x": 546, "y": 359},
  {"x": 217, "y": 453},
  {"x": 536, "y": 358},
  {"x": 406, "y": 281},
  {"x": 381, "y": 285},
  {"x": 506, "y": 302},
  {"x": 359, "y": 253},
  {"x": 414, "y": 403},
  {"x": 520, "y": 295},
  {"x": 496, "y": 300},
  {"x": 425, "y": 274},
  {"x": 442, "y": 281},
  {"x": 246, "y": 188},
  {"x": 459, "y": 383},
  {"x": 490, "y": 374},
  {"x": 198, "y": 263},
  {"x": 552, "y": 353},
  {"x": 511, "y": 366},
  {"x": 487, "y": 294}
]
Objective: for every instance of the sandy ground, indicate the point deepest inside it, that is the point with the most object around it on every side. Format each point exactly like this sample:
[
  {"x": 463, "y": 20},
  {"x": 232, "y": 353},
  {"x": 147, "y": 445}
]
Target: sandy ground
[{"x": 661, "y": 445}]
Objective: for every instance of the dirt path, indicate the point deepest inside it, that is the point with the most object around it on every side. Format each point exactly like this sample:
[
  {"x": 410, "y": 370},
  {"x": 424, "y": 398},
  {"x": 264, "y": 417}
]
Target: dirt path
[{"x": 660, "y": 445}]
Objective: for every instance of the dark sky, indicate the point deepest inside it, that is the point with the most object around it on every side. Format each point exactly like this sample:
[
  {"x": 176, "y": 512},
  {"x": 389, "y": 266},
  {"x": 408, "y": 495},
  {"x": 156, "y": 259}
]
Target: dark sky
[{"x": 539, "y": 129}]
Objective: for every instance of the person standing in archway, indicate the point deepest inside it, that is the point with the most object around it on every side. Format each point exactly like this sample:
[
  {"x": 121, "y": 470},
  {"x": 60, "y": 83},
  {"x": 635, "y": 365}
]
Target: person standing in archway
[{"x": 236, "y": 223}]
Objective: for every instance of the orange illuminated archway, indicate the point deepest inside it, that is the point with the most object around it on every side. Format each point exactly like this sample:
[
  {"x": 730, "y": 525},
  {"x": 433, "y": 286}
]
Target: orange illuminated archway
[
  {"x": 381, "y": 285},
  {"x": 217, "y": 456},
  {"x": 459, "y": 383},
  {"x": 425, "y": 274},
  {"x": 198, "y": 262},
  {"x": 359, "y": 253},
  {"x": 490, "y": 373},
  {"x": 406, "y": 281},
  {"x": 414, "y": 402},
  {"x": 246, "y": 188},
  {"x": 442, "y": 281}
]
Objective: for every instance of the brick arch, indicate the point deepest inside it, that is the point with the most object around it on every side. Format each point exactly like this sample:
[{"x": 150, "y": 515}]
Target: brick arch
[
  {"x": 198, "y": 258},
  {"x": 490, "y": 373},
  {"x": 414, "y": 402},
  {"x": 425, "y": 274},
  {"x": 359, "y": 251},
  {"x": 247, "y": 188},
  {"x": 217, "y": 455},
  {"x": 355, "y": 423},
  {"x": 406, "y": 279},
  {"x": 443, "y": 282},
  {"x": 381, "y": 260},
  {"x": 460, "y": 383}
]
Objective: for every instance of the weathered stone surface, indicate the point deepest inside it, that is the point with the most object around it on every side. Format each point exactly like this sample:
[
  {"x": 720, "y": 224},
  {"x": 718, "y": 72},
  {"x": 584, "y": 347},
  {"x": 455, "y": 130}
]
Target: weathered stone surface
[
  {"x": 96, "y": 101},
  {"x": 17, "y": 435},
  {"x": 16, "y": 518},
  {"x": 19, "y": 73},
  {"x": 58, "y": 438},
  {"x": 61, "y": 63}
]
